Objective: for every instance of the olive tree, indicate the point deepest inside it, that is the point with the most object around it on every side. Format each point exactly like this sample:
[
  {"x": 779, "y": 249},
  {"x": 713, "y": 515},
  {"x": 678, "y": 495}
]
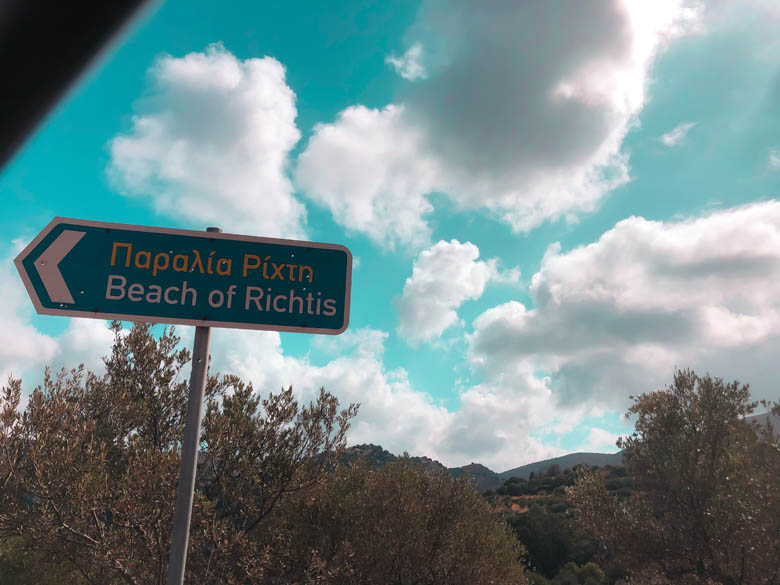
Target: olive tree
[
  {"x": 706, "y": 508},
  {"x": 89, "y": 467},
  {"x": 399, "y": 525}
]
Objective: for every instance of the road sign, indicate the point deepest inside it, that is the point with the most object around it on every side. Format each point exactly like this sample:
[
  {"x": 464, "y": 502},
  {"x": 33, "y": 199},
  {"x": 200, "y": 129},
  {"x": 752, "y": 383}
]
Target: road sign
[{"x": 81, "y": 268}]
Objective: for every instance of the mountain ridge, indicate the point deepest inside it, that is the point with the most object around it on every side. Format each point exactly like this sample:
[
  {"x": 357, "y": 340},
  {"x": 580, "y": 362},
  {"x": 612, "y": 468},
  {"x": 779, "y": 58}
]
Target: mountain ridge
[
  {"x": 484, "y": 477},
  {"x": 487, "y": 479}
]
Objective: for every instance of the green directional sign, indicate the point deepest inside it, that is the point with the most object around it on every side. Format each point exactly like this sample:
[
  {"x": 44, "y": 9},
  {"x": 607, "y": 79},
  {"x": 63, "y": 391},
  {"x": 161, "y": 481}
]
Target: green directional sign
[{"x": 80, "y": 268}]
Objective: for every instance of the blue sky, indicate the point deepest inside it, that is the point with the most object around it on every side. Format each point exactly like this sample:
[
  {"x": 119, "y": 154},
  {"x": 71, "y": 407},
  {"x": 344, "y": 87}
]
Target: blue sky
[{"x": 551, "y": 205}]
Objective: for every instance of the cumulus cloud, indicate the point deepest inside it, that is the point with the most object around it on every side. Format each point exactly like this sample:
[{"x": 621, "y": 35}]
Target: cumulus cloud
[
  {"x": 614, "y": 317},
  {"x": 443, "y": 277},
  {"x": 25, "y": 351},
  {"x": 509, "y": 119},
  {"x": 22, "y": 346},
  {"x": 599, "y": 441},
  {"x": 372, "y": 172},
  {"x": 363, "y": 342},
  {"x": 492, "y": 425},
  {"x": 409, "y": 65},
  {"x": 392, "y": 413},
  {"x": 496, "y": 420},
  {"x": 210, "y": 144},
  {"x": 677, "y": 135},
  {"x": 85, "y": 341}
]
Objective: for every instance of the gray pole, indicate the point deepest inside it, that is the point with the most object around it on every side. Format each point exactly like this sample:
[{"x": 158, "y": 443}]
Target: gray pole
[{"x": 189, "y": 455}]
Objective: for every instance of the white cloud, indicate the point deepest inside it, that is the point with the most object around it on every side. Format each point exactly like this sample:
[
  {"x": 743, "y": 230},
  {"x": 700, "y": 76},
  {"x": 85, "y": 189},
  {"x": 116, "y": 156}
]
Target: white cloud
[
  {"x": 409, "y": 65},
  {"x": 25, "y": 351},
  {"x": 211, "y": 142},
  {"x": 85, "y": 341},
  {"x": 492, "y": 424},
  {"x": 774, "y": 158},
  {"x": 509, "y": 118},
  {"x": 599, "y": 441},
  {"x": 678, "y": 134},
  {"x": 22, "y": 346},
  {"x": 615, "y": 317},
  {"x": 372, "y": 172},
  {"x": 496, "y": 421},
  {"x": 443, "y": 277},
  {"x": 392, "y": 413},
  {"x": 364, "y": 342}
]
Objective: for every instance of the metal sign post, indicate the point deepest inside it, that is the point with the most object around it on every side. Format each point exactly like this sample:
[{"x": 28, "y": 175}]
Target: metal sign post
[{"x": 180, "y": 535}]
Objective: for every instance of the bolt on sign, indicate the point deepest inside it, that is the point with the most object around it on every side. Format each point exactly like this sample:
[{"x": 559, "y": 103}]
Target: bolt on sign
[{"x": 80, "y": 268}]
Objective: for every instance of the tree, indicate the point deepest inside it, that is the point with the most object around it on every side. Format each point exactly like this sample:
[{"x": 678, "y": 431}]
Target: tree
[
  {"x": 573, "y": 574},
  {"x": 706, "y": 503},
  {"x": 89, "y": 469},
  {"x": 400, "y": 525},
  {"x": 551, "y": 539},
  {"x": 24, "y": 567}
]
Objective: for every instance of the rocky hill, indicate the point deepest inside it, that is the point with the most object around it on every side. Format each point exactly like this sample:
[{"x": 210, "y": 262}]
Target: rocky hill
[
  {"x": 378, "y": 457},
  {"x": 565, "y": 461},
  {"x": 484, "y": 478}
]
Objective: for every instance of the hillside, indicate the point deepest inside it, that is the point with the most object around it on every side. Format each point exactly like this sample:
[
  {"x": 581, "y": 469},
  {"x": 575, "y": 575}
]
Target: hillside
[
  {"x": 484, "y": 478},
  {"x": 765, "y": 418},
  {"x": 565, "y": 461},
  {"x": 487, "y": 479},
  {"x": 377, "y": 457}
]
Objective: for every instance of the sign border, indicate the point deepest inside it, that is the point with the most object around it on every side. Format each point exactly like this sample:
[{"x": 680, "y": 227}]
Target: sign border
[{"x": 40, "y": 309}]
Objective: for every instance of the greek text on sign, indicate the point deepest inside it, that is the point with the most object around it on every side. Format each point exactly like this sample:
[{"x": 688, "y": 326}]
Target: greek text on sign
[{"x": 81, "y": 268}]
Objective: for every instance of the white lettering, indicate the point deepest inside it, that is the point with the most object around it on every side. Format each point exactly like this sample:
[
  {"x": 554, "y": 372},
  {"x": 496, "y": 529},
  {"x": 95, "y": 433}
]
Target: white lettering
[
  {"x": 329, "y": 307},
  {"x": 250, "y": 298},
  {"x": 155, "y": 294},
  {"x": 111, "y": 286},
  {"x": 187, "y": 290},
  {"x": 168, "y": 292},
  {"x": 135, "y": 292},
  {"x": 276, "y": 306},
  {"x": 213, "y": 302}
]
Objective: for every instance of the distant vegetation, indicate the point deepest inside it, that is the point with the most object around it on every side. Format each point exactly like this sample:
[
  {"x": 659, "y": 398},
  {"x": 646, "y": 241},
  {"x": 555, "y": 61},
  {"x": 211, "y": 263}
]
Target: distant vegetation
[
  {"x": 537, "y": 509},
  {"x": 565, "y": 462},
  {"x": 89, "y": 470}
]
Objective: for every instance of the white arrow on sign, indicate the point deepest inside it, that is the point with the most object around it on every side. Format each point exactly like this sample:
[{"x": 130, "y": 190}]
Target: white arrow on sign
[{"x": 48, "y": 266}]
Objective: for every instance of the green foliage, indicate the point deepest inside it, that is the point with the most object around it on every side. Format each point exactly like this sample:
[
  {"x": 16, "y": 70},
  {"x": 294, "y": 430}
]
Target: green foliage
[
  {"x": 538, "y": 483},
  {"x": 22, "y": 567},
  {"x": 572, "y": 574},
  {"x": 90, "y": 467},
  {"x": 551, "y": 539},
  {"x": 706, "y": 505},
  {"x": 400, "y": 525},
  {"x": 546, "y": 529}
]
